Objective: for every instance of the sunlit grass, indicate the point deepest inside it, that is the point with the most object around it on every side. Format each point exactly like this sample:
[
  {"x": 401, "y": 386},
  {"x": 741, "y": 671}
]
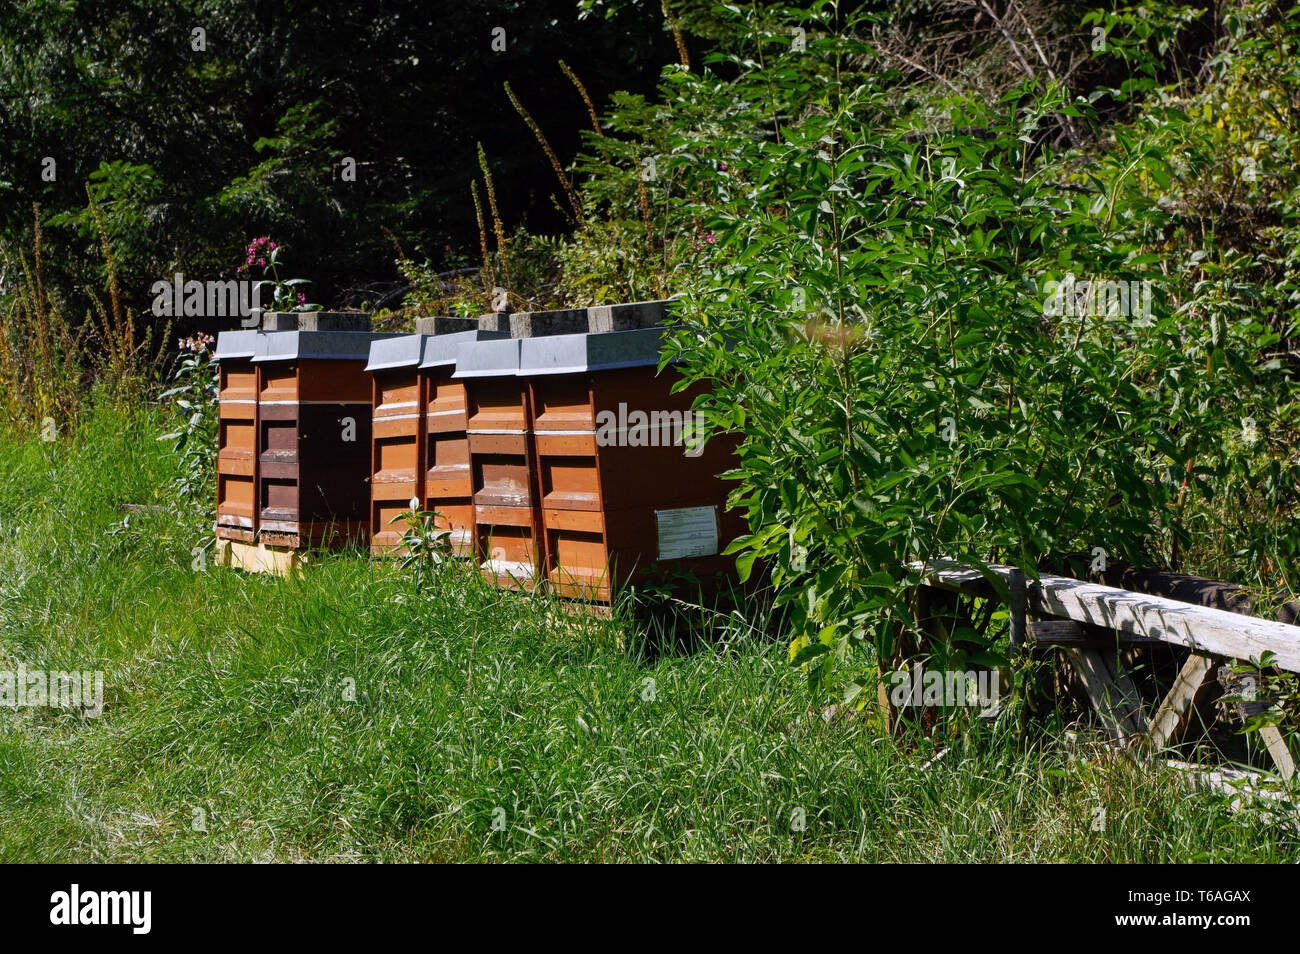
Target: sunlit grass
[{"x": 346, "y": 714}]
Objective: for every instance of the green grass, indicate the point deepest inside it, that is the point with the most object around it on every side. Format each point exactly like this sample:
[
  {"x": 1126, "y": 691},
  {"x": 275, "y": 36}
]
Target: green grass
[{"x": 227, "y": 694}]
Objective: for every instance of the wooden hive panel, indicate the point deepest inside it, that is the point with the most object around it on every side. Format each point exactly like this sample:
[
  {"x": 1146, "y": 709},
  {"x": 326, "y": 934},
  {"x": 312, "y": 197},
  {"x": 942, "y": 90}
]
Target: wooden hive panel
[
  {"x": 499, "y": 442},
  {"x": 448, "y": 477},
  {"x": 396, "y": 472},
  {"x": 334, "y": 382},
  {"x": 237, "y": 383},
  {"x": 237, "y": 451},
  {"x": 315, "y": 433},
  {"x": 237, "y": 435},
  {"x": 456, "y": 516},
  {"x": 600, "y": 493},
  {"x": 595, "y": 554},
  {"x": 279, "y": 384},
  {"x": 507, "y": 551},
  {"x": 564, "y": 404},
  {"x": 449, "y": 489},
  {"x": 497, "y": 405},
  {"x": 569, "y": 482},
  {"x": 236, "y": 512},
  {"x": 577, "y": 558},
  {"x": 448, "y": 474},
  {"x": 445, "y": 407},
  {"x": 335, "y": 446},
  {"x": 501, "y": 457},
  {"x": 502, "y": 480}
]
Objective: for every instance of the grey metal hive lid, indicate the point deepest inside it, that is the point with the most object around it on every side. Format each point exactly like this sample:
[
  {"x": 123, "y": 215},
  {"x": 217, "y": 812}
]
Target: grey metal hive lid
[
  {"x": 321, "y": 345},
  {"x": 236, "y": 344},
  {"x": 491, "y": 358},
  {"x": 570, "y": 354},
  {"x": 400, "y": 352},
  {"x": 441, "y": 350}
]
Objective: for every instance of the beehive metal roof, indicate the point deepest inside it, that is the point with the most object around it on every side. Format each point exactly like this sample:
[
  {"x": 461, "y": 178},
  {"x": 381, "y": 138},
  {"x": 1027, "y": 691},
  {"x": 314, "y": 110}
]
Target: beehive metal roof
[
  {"x": 441, "y": 350},
  {"x": 321, "y": 345},
  {"x": 236, "y": 344},
  {"x": 570, "y": 354},
  {"x": 401, "y": 352},
  {"x": 491, "y": 358}
]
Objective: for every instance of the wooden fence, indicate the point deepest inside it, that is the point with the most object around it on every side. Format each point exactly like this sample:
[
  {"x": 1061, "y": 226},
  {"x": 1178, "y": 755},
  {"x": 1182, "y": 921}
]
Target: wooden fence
[{"x": 1083, "y": 618}]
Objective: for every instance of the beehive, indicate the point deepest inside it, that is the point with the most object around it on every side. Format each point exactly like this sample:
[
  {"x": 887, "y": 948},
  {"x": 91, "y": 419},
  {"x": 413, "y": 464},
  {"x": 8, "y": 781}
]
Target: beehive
[
  {"x": 314, "y": 438},
  {"x": 448, "y": 480},
  {"x": 626, "y": 492},
  {"x": 237, "y": 436},
  {"x": 506, "y": 515},
  {"x": 398, "y": 436}
]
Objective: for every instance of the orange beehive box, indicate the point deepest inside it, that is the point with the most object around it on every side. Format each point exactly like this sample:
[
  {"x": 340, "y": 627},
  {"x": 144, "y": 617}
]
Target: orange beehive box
[
  {"x": 398, "y": 436},
  {"x": 237, "y": 436},
  {"x": 314, "y": 438},
  {"x": 626, "y": 490},
  {"x": 448, "y": 476},
  {"x": 497, "y": 427}
]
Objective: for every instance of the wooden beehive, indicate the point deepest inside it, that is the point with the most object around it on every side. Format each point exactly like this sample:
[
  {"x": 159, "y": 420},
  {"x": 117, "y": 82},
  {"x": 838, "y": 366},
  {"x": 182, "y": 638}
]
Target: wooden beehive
[
  {"x": 398, "y": 436},
  {"x": 506, "y": 514},
  {"x": 237, "y": 436},
  {"x": 314, "y": 438},
  {"x": 448, "y": 480},
  {"x": 626, "y": 492}
]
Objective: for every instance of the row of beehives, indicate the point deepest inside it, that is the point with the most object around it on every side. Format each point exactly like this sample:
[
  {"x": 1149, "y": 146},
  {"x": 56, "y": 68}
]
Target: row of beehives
[{"x": 550, "y": 457}]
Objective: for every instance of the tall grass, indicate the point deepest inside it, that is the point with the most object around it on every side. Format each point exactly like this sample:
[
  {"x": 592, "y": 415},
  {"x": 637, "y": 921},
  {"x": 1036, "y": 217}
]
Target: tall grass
[
  {"x": 47, "y": 361},
  {"x": 353, "y": 714},
  {"x": 41, "y": 354}
]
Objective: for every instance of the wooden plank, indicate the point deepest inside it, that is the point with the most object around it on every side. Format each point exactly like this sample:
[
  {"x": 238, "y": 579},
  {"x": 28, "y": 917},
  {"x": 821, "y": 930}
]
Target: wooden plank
[
  {"x": 1202, "y": 629},
  {"x": 1177, "y": 586},
  {"x": 1278, "y": 749},
  {"x": 1019, "y": 597},
  {"x": 1235, "y": 684},
  {"x": 259, "y": 558},
  {"x": 1113, "y": 694},
  {"x": 1174, "y": 715},
  {"x": 1246, "y": 789},
  {"x": 1068, "y": 633}
]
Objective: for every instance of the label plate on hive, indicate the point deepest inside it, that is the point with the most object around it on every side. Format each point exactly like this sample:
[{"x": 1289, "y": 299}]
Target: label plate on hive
[{"x": 687, "y": 532}]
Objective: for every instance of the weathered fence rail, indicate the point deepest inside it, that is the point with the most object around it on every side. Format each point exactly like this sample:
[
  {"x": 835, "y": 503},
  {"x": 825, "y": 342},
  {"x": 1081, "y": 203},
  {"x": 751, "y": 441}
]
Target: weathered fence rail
[
  {"x": 1080, "y": 618},
  {"x": 1202, "y": 629}
]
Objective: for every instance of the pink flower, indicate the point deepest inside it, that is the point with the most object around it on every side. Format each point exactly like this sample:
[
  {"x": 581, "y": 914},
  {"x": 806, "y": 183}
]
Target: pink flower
[
  {"x": 710, "y": 238},
  {"x": 723, "y": 167}
]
